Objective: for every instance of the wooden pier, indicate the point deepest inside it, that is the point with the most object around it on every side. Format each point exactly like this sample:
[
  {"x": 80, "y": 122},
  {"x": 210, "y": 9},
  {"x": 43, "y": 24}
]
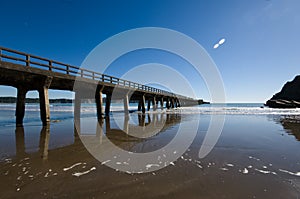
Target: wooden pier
[{"x": 28, "y": 72}]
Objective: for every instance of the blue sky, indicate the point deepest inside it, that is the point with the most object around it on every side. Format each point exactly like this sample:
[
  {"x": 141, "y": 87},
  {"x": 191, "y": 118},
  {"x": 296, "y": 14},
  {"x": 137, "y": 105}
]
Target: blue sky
[{"x": 260, "y": 54}]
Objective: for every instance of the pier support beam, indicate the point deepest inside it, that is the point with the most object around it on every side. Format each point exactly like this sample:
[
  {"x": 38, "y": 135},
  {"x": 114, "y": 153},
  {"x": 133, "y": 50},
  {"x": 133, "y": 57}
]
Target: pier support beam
[
  {"x": 99, "y": 103},
  {"x": 107, "y": 104},
  {"x": 168, "y": 103},
  {"x": 44, "y": 101},
  {"x": 162, "y": 103},
  {"x": 20, "y": 106},
  {"x": 44, "y": 105},
  {"x": 149, "y": 104},
  {"x": 139, "y": 105},
  {"x": 178, "y": 102},
  {"x": 143, "y": 104},
  {"x": 172, "y": 103},
  {"x": 77, "y": 108}
]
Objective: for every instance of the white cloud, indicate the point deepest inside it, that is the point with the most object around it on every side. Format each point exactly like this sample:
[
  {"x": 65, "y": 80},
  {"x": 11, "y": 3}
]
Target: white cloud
[
  {"x": 217, "y": 45},
  {"x": 222, "y": 41}
]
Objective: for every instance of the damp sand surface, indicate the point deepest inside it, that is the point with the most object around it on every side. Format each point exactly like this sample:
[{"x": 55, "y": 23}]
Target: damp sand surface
[{"x": 255, "y": 157}]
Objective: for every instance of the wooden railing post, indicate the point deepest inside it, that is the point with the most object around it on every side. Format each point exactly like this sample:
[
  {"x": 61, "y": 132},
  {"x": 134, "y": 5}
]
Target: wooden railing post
[
  {"x": 27, "y": 60},
  {"x": 102, "y": 77},
  {"x": 81, "y": 72},
  {"x": 50, "y": 65},
  {"x": 68, "y": 69},
  {"x": 0, "y": 54}
]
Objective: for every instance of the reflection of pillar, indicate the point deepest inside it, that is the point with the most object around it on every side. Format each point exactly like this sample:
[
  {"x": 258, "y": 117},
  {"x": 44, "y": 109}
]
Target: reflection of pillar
[
  {"x": 149, "y": 119},
  {"x": 44, "y": 141},
  {"x": 20, "y": 142},
  {"x": 154, "y": 120},
  {"x": 126, "y": 104},
  {"x": 20, "y": 106},
  {"x": 141, "y": 118},
  {"x": 126, "y": 123},
  {"x": 99, "y": 130},
  {"x": 99, "y": 102},
  {"x": 107, "y": 104},
  {"x": 107, "y": 124},
  {"x": 77, "y": 108}
]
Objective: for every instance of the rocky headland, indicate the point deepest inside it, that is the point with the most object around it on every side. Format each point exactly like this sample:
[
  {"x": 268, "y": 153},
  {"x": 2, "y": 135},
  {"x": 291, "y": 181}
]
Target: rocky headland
[{"x": 288, "y": 97}]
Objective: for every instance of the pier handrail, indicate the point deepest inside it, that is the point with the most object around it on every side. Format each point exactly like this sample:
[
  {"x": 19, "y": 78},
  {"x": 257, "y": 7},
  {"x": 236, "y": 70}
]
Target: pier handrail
[{"x": 28, "y": 60}]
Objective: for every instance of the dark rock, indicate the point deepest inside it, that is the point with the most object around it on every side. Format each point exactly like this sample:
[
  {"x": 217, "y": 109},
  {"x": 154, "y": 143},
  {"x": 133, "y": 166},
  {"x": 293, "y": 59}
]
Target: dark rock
[{"x": 288, "y": 97}]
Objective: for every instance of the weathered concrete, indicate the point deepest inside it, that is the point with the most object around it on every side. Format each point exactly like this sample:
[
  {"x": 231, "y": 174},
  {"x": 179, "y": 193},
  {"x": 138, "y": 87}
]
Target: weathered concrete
[{"x": 99, "y": 103}]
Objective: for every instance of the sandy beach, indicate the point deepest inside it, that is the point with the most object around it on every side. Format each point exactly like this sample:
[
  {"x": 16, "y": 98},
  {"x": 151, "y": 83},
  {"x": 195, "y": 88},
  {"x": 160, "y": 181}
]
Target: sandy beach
[{"x": 255, "y": 157}]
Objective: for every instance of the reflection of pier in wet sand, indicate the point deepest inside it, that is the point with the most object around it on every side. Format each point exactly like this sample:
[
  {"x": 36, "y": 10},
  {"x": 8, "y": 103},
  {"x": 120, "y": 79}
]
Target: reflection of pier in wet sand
[{"x": 127, "y": 137}]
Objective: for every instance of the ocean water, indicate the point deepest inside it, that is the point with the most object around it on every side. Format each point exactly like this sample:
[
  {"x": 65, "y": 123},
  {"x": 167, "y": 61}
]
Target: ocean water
[
  {"x": 65, "y": 111},
  {"x": 255, "y": 156}
]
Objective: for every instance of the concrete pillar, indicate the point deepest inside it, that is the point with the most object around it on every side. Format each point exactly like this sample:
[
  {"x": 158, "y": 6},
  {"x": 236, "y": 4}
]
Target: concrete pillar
[
  {"x": 139, "y": 105},
  {"x": 44, "y": 141},
  {"x": 99, "y": 103},
  {"x": 20, "y": 106},
  {"x": 143, "y": 104},
  {"x": 154, "y": 103},
  {"x": 126, "y": 104},
  {"x": 162, "y": 103},
  {"x": 77, "y": 108},
  {"x": 172, "y": 103},
  {"x": 178, "y": 103},
  {"x": 149, "y": 104},
  {"x": 44, "y": 105},
  {"x": 107, "y": 104},
  {"x": 168, "y": 103},
  {"x": 44, "y": 100}
]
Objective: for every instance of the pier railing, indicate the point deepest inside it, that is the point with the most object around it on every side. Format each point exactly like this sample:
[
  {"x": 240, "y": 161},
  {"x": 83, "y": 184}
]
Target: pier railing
[{"x": 28, "y": 60}]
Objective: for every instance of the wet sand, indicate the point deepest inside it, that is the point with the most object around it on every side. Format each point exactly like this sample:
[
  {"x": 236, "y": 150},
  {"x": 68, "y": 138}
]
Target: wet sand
[{"x": 255, "y": 157}]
